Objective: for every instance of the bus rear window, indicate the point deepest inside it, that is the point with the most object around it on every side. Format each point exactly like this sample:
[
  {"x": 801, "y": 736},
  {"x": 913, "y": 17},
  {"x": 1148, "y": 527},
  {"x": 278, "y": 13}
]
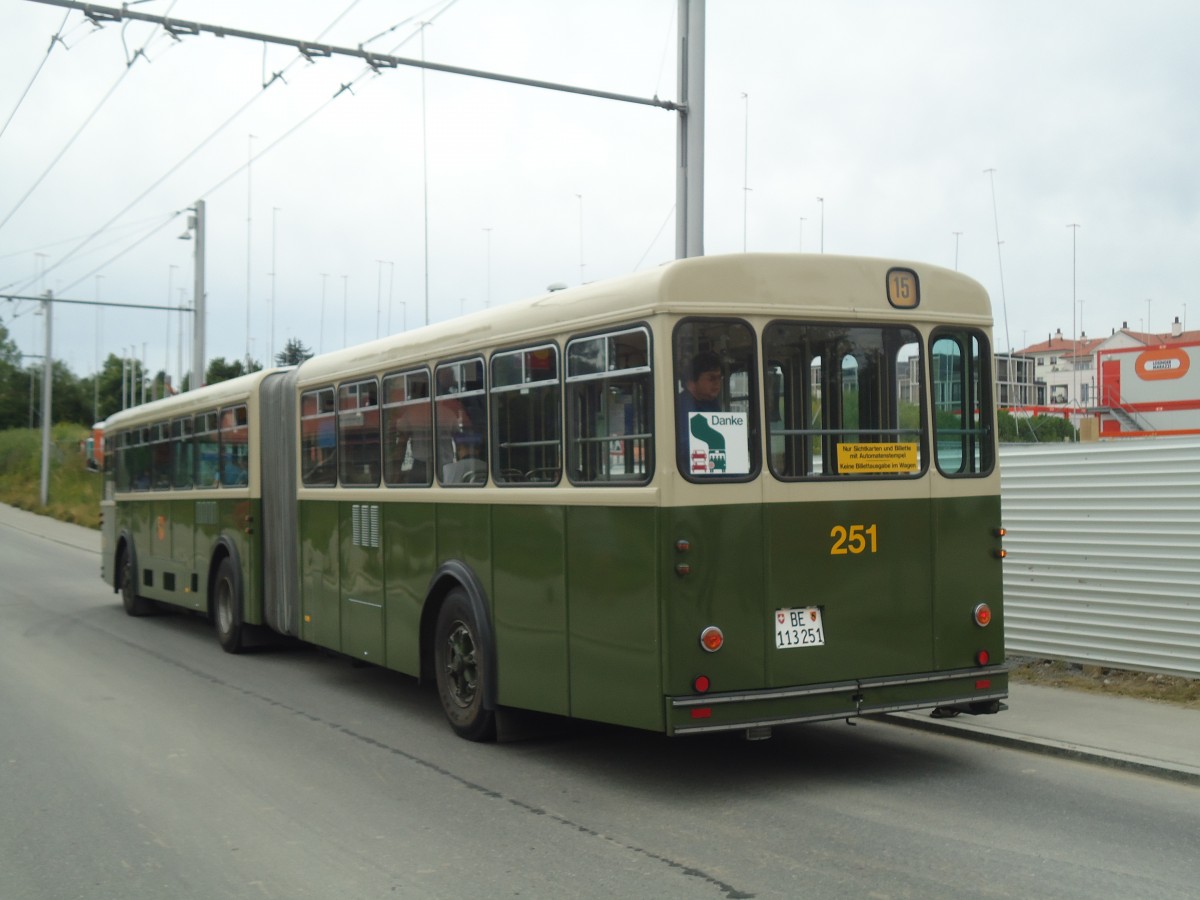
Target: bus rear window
[
  {"x": 962, "y": 403},
  {"x": 843, "y": 400},
  {"x": 716, "y": 436}
]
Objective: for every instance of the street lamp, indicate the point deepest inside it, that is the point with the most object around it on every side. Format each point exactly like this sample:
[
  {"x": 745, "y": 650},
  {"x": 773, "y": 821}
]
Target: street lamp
[
  {"x": 196, "y": 225},
  {"x": 821, "y": 200}
]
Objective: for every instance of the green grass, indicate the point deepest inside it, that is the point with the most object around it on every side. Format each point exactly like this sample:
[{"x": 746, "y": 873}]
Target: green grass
[{"x": 74, "y": 490}]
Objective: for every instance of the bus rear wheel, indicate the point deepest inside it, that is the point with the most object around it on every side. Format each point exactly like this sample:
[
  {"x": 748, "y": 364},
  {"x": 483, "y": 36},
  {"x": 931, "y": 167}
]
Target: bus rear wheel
[
  {"x": 227, "y": 607},
  {"x": 460, "y": 663},
  {"x": 134, "y": 605}
]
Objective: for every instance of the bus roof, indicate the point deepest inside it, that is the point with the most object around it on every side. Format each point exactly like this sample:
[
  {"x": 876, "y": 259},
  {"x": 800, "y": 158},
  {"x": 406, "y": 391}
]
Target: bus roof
[
  {"x": 776, "y": 284},
  {"x": 208, "y": 397}
]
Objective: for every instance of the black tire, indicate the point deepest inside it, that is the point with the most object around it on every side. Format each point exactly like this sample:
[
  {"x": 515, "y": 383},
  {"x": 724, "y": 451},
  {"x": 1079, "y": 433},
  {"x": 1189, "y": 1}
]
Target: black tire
[
  {"x": 134, "y": 605},
  {"x": 227, "y": 607},
  {"x": 461, "y": 661}
]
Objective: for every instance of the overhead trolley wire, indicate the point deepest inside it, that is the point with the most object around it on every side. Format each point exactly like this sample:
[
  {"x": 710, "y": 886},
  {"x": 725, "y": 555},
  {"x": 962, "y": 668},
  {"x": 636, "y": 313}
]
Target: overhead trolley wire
[
  {"x": 129, "y": 61},
  {"x": 53, "y": 40},
  {"x": 184, "y": 159}
]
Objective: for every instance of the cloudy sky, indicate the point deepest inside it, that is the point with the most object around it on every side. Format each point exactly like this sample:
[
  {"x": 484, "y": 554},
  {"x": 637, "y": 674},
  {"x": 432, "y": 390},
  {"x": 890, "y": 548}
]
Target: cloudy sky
[{"x": 891, "y": 111}]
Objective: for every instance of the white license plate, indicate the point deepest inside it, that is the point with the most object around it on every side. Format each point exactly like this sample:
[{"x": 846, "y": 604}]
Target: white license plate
[{"x": 798, "y": 628}]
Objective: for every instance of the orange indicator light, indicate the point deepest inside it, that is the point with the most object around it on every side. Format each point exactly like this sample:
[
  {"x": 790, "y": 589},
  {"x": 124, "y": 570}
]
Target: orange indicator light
[
  {"x": 712, "y": 639},
  {"x": 1001, "y": 554},
  {"x": 983, "y": 615}
]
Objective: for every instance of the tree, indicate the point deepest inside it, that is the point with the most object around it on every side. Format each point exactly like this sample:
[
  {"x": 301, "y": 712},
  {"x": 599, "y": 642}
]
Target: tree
[
  {"x": 219, "y": 369},
  {"x": 293, "y": 353},
  {"x": 14, "y": 384}
]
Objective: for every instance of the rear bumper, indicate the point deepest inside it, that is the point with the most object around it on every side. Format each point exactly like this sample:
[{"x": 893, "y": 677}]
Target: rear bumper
[{"x": 732, "y": 710}]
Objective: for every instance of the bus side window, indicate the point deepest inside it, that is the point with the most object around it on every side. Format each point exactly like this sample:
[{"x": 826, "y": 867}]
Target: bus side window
[
  {"x": 235, "y": 450},
  {"x": 318, "y": 438},
  {"x": 181, "y": 453},
  {"x": 206, "y": 448},
  {"x": 460, "y": 419},
  {"x": 160, "y": 463},
  {"x": 358, "y": 433},
  {"x": 407, "y": 429},
  {"x": 526, "y": 404},
  {"x": 610, "y": 433}
]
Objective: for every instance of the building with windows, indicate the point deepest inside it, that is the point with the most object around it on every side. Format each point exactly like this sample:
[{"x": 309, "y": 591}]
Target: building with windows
[{"x": 1130, "y": 383}]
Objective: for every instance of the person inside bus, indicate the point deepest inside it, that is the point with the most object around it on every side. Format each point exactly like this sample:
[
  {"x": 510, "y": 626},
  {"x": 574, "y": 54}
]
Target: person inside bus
[
  {"x": 701, "y": 393},
  {"x": 468, "y": 468},
  {"x": 233, "y": 472}
]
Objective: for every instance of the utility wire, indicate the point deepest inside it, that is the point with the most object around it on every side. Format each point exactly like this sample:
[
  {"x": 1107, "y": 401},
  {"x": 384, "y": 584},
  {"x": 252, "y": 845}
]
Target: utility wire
[
  {"x": 178, "y": 165},
  {"x": 54, "y": 40},
  {"x": 344, "y": 88},
  {"x": 657, "y": 235},
  {"x": 129, "y": 61}
]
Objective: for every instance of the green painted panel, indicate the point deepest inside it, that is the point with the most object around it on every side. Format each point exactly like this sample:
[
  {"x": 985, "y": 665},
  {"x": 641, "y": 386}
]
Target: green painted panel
[
  {"x": 182, "y": 522},
  {"x": 875, "y": 604},
  {"x": 464, "y": 533},
  {"x": 362, "y": 587},
  {"x": 530, "y": 603},
  {"x": 320, "y": 622},
  {"x": 408, "y": 547},
  {"x": 723, "y": 587},
  {"x": 968, "y": 574},
  {"x": 613, "y": 615}
]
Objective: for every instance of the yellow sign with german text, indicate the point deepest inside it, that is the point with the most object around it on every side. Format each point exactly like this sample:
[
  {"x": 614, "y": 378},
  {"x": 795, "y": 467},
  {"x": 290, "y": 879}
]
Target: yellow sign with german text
[{"x": 877, "y": 459}]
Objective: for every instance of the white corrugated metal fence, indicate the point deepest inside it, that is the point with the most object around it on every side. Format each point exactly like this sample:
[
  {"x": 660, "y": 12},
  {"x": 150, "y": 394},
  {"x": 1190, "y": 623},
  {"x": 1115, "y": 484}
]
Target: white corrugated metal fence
[{"x": 1104, "y": 552}]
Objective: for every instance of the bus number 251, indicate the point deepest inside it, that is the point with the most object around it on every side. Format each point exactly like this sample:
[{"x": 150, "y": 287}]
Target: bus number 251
[{"x": 853, "y": 539}]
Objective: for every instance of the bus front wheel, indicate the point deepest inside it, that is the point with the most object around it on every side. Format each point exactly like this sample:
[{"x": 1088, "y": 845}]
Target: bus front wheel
[
  {"x": 227, "y": 607},
  {"x": 460, "y": 662},
  {"x": 134, "y": 605}
]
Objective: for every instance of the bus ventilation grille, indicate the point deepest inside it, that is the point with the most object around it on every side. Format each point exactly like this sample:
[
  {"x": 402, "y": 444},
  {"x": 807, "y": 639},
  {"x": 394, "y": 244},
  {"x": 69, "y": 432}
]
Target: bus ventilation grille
[{"x": 364, "y": 522}]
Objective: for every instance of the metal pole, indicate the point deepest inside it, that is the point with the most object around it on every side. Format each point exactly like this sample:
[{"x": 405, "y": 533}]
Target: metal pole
[
  {"x": 198, "y": 324},
  {"x": 689, "y": 180},
  {"x": 47, "y": 394},
  {"x": 271, "y": 352}
]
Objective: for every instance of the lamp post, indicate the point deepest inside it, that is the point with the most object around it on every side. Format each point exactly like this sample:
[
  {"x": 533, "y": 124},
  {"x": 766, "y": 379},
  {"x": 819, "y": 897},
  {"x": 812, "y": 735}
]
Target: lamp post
[
  {"x": 745, "y": 165},
  {"x": 1074, "y": 226},
  {"x": 581, "y": 275},
  {"x": 271, "y": 348},
  {"x": 345, "y": 308},
  {"x": 196, "y": 227},
  {"x": 321, "y": 329},
  {"x": 487, "y": 297}
]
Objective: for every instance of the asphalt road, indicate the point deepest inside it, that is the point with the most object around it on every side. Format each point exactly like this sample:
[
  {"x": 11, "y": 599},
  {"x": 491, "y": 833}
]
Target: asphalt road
[{"x": 137, "y": 760}]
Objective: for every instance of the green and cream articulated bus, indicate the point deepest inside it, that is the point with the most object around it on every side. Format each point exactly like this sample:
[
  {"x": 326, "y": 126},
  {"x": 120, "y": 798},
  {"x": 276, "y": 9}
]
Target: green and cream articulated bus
[{"x": 729, "y": 493}]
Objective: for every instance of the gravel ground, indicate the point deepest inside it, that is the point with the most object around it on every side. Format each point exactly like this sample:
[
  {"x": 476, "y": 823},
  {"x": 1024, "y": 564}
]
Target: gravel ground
[{"x": 1172, "y": 689}]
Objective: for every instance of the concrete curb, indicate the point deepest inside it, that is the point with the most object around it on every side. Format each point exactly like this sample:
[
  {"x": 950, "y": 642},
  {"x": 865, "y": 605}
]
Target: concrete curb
[{"x": 1047, "y": 747}]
